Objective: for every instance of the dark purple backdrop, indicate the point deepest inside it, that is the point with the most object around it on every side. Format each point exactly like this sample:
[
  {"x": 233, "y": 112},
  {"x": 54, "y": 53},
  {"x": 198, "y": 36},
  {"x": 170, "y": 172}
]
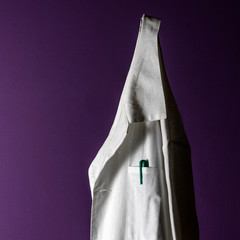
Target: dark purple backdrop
[{"x": 63, "y": 65}]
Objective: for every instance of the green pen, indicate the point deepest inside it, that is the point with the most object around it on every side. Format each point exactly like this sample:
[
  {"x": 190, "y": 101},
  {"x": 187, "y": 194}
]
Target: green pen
[{"x": 142, "y": 163}]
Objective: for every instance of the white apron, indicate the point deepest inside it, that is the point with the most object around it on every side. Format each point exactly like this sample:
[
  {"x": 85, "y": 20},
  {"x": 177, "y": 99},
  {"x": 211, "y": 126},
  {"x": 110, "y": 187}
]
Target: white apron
[{"x": 130, "y": 200}]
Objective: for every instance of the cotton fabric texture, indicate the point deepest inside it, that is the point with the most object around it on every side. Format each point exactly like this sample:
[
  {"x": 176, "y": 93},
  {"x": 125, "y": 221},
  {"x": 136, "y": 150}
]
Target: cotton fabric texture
[{"x": 147, "y": 126}]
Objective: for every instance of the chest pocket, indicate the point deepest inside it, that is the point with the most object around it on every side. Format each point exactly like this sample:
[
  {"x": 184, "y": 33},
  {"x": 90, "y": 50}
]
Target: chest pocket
[{"x": 143, "y": 204}]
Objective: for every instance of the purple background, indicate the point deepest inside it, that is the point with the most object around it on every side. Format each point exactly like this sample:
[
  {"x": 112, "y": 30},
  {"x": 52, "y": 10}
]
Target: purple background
[{"x": 63, "y": 65}]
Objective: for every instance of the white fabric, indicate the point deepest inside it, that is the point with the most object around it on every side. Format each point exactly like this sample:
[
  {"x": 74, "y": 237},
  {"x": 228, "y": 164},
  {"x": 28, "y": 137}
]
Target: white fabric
[{"x": 122, "y": 209}]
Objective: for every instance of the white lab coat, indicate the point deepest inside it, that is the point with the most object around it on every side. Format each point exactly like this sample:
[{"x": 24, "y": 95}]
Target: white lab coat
[{"x": 147, "y": 126}]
